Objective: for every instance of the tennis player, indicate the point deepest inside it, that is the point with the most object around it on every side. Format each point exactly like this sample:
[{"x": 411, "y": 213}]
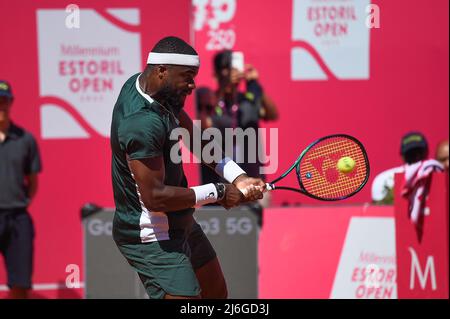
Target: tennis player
[{"x": 153, "y": 225}]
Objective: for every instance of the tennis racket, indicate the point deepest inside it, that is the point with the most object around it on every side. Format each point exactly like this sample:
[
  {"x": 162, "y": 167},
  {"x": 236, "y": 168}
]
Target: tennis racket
[{"x": 317, "y": 172}]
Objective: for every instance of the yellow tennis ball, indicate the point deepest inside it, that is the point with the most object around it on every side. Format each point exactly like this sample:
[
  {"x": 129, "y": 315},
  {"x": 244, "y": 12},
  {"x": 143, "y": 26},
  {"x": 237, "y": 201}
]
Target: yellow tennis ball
[{"x": 346, "y": 164}]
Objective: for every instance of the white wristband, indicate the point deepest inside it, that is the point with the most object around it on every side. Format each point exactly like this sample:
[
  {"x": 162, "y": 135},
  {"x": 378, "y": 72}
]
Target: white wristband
[
  {"x": 205, "y": 194},
  {"x": 228, "y": 169}
]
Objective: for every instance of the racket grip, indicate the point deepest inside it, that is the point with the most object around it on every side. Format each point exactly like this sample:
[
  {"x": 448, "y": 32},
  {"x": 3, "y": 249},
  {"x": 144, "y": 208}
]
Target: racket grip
[
  {"x": 269, "y": 187},
  {"x": 244, "y": 191}
]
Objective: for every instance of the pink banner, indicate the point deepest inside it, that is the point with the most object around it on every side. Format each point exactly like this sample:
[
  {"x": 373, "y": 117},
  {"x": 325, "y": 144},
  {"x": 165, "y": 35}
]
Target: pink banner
[
  {"x": 422, "y": 260},
  {"x": 66, "y": 72},
  {"x": 328, "y": 252},
  {"x": 324, "y": 69},
  {"x": 329, "y": 73}
]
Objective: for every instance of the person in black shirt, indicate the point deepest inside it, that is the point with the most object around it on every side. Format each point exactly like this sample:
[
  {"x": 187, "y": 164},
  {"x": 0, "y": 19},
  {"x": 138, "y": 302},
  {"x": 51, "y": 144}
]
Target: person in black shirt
[
  {"x": 228, "y": 107},
  {"x": 19, "y": 165}
]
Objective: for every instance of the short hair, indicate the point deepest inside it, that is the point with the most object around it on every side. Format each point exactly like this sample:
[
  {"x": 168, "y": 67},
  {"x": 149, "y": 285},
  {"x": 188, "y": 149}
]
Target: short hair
[
  {"x": 222, "y": 60},
  {"x": 173, "y": 45}
]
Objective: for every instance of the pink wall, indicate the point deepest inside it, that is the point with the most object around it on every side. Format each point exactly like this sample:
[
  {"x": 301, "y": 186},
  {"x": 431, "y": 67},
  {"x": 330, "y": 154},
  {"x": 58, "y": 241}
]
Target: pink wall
[
  {"x": 407, "y": 87},
  {"x": 423, "y": 265},
  {"x": 75, "y": 171},
  {"x": 301, "y": 249}
]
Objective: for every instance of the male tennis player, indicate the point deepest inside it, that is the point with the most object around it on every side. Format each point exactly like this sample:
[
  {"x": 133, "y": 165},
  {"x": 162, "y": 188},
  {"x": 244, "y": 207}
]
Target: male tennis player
[{"x": 153, "y": 223}]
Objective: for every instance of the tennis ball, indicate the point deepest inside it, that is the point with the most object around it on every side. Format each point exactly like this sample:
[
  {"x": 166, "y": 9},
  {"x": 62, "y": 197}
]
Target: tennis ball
[{"x": 346, "y": 164}]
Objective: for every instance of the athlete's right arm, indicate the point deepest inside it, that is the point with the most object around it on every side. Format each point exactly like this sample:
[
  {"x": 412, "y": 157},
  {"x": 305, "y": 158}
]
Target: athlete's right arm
[{"x": 156, "y": 196}]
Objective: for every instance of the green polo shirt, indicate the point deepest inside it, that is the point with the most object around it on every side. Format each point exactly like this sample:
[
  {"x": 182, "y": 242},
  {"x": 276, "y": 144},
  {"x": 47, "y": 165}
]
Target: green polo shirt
[{"x": 140, "y": 129}]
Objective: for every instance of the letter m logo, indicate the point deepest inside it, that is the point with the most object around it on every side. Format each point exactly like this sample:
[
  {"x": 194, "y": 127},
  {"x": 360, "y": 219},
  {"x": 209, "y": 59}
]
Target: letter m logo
[{"x": 422, "y": 275}]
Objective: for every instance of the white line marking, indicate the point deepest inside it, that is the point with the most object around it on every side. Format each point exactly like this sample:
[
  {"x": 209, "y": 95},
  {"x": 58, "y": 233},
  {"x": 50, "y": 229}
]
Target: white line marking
[{"x": 47, "y": 286}]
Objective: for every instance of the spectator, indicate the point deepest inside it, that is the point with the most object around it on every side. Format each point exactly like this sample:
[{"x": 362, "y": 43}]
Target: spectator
[
  {"x": 19, "y": 165},
  {"x": 228, "y": 107},
  {"x": 413, "y": 149},
  {"x": 442, "y": 154}
]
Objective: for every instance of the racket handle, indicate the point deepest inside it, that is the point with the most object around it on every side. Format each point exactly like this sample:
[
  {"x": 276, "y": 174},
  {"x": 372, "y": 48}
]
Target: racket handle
[{"x": 269, "y": 187}]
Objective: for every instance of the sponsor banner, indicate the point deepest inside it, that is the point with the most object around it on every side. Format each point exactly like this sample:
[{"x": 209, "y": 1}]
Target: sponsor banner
[
  {"x": 328, "y": 252},
  {"x": 336, "y": 66},
  {"x": 367, "y": 267},
  {"x": 422, "y": 253},
  {"x": 81, "y": 70},
  {"x": 67, "y": 64},
  {"x": 66, "y": 103},
  {"x": 332, "y": 37}
]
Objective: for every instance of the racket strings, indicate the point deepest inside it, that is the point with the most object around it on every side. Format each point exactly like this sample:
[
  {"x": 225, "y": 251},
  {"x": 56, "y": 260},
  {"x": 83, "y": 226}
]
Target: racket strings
[
  {"x": 318, "y": 169},
  {"x": 333, "y": 181}
]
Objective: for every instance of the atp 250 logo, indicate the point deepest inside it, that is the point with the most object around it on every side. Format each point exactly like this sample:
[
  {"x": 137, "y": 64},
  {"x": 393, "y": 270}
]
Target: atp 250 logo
[{"x": 216, "y": 15}]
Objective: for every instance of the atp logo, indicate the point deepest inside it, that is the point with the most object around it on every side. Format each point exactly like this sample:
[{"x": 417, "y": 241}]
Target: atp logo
[
  {"x": 216, "y": 15},
  {"x": 331, "y": 39}
]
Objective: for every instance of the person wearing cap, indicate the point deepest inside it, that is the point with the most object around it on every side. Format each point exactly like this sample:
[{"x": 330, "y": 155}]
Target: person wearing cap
[
  {"x": 19, "y": 167},
  {"x": 153, "y": 224},
  {"x": 442, "y": 153},
  {"x": 229, "y": 107},
  {"x": 413, "y": 149}
]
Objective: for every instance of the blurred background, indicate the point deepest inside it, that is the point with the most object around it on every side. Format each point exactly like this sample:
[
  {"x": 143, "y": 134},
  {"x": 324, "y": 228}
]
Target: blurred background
[{"x": 375, "y": 70}]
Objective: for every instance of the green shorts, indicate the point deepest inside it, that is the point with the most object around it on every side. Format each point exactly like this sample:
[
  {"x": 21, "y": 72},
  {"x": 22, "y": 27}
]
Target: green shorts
[{"x": 169, "y": 266}]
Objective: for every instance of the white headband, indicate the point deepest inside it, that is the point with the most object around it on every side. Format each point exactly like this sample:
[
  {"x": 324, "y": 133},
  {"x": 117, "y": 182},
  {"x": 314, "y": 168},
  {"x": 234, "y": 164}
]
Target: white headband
[{"x": 173, "y": 58}]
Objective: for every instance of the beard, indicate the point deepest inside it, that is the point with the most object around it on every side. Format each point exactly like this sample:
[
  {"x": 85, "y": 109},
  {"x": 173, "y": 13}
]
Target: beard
[{"x": 171, "y": 98}]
